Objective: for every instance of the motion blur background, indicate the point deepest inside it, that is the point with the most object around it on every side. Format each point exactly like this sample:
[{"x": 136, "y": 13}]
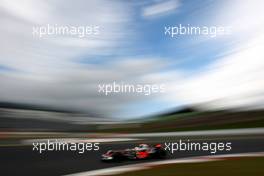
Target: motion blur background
[
  {"x": 56, "y": 78},
  {"x": 49, "y": 85}
]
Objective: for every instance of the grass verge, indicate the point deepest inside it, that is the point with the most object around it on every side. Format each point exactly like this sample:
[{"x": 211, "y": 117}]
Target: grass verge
[{"x": 231, "y": 167}]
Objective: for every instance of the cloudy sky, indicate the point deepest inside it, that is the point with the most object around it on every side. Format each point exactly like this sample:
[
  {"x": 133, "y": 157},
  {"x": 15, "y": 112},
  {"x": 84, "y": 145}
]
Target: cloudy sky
[{"x": 64, "y": 71}]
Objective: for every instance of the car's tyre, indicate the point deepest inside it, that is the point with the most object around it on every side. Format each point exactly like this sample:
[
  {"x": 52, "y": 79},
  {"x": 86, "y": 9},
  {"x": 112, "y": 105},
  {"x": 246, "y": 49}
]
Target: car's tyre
[
  {"x": 118, "y": 157},
  {"x": 160, "y": 153}
]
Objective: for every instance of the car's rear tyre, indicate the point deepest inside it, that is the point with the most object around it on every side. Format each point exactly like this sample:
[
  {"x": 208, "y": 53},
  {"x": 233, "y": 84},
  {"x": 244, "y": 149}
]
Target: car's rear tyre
[{"x": 161, "y": 154}]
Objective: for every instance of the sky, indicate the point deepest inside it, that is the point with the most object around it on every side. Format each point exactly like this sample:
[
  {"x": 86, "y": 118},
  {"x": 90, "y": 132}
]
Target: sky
[{"x": 222, "y": 72}]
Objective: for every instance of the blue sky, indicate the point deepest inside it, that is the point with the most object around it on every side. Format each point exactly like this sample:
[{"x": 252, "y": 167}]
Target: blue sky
[
  {"x": 64, "y": 71},
  {"x": 184, "y": 52},
  {"x": 190, "y": 54}
]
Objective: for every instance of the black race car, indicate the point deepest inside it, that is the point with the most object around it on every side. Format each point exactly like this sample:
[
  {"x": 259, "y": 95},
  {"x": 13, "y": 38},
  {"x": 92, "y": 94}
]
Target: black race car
[{"x": 143, "y": 151}]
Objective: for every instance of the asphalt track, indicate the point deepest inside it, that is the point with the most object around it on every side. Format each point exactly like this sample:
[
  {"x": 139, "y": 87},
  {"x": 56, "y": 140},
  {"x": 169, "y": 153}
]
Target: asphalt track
[{"x": 21, "y": 160}]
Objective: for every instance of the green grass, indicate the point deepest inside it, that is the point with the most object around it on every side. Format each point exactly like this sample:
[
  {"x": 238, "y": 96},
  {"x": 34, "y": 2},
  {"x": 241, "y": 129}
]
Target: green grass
[
  {"x": 197, "y": 121},
  {"x": 233, "y": 167},
  {"x": 236, "y": 125},
  {"x": 160, "y": 127}
]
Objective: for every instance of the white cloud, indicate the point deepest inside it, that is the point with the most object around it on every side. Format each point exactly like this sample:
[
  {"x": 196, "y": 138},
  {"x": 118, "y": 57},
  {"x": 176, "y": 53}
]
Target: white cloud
[
  {"x": 25, "y": 52},
  {"x": 77, "y": 87},
  {"x": 47, "y": 70},
  {"x": 160, "y": 8},
  {"x": 27, "y": 10},
  {"x": 236, "y": 79}
]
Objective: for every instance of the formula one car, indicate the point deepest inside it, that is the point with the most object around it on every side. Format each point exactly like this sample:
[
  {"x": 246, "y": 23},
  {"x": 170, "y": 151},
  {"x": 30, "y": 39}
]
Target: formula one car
[{"x": 142, "y": 151}]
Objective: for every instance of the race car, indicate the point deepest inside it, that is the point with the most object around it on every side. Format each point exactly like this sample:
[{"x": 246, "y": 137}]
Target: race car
[{"x": 142, "y": 151}]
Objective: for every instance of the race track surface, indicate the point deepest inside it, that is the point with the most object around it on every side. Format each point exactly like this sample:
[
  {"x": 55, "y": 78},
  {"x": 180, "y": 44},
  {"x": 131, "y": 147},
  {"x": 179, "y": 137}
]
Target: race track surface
[{"x": 21, "y": 160}]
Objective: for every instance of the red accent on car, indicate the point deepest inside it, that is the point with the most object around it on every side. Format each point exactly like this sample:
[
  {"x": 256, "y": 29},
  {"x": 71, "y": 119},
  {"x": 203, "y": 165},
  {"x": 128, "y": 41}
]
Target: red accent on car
[
  {"x": 158, "y": 145},
  {"x": 142, "y": 154}
]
